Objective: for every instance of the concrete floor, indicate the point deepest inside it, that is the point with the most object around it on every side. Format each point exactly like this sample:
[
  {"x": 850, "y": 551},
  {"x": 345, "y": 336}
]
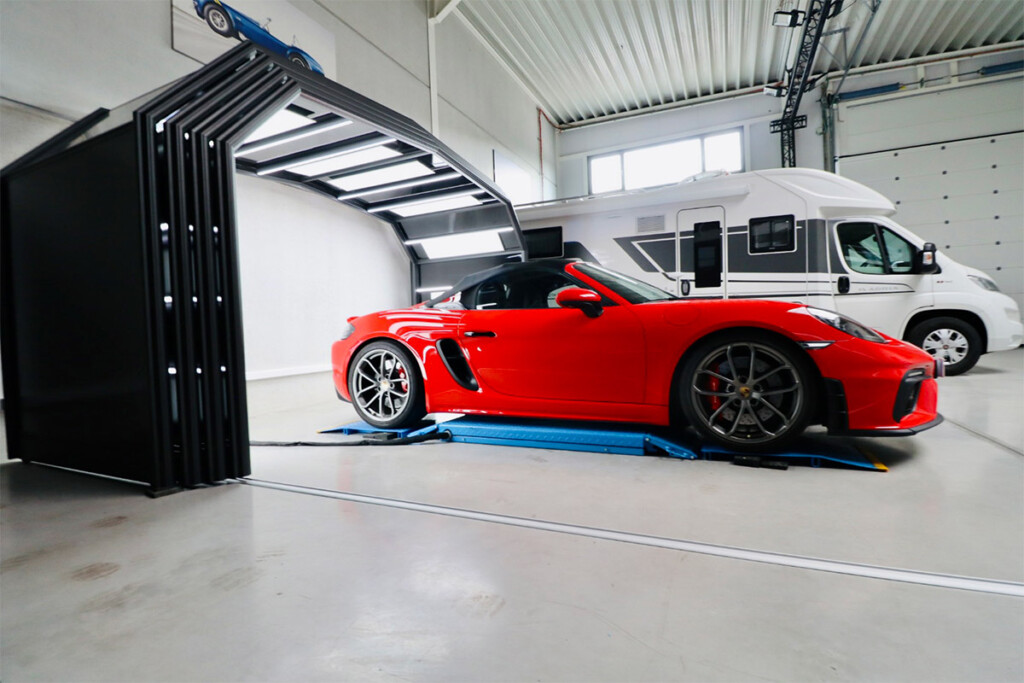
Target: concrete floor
[{"x": 242, "y": 582}]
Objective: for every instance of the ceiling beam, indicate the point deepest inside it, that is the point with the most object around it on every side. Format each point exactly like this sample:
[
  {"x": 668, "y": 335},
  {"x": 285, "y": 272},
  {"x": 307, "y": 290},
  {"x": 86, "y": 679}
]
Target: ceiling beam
[{"x": 439, "y": 9}]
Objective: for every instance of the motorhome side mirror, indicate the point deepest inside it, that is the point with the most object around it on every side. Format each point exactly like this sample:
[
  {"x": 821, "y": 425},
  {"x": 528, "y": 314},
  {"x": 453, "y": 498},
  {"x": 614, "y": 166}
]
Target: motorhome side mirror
[
  {"x": 584, "y": 299},
  {"x": 926, "y": 263}
]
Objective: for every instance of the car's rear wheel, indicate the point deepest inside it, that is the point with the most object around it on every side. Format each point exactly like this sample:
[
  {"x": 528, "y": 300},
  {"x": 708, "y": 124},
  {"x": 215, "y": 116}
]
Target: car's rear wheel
[
  {"x": 296, "y": 58},
  {"x": 957, "y": 343},
  {"x": 385, "y": 385},
  {"x": 219, "y": 20},
  {"x": 747, "y": 391}
]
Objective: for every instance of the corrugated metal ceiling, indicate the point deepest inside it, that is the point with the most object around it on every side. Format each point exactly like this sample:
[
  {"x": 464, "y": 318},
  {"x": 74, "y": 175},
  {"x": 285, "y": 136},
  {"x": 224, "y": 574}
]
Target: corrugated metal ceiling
[{"x": 586, "y": 59}]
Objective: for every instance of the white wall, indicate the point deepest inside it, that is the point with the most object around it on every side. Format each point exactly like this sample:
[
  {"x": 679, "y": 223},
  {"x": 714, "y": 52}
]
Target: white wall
[
  {"x": 62, "y": 59},
  {"x": 306, "y": 265}
]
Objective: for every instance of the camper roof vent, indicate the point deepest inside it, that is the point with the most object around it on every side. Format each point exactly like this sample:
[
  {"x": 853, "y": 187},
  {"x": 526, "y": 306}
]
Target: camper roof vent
[{"x": 650, "y": 223}]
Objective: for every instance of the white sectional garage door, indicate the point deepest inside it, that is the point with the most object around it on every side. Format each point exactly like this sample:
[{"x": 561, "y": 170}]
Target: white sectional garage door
[{"x": 953, "y": 162}]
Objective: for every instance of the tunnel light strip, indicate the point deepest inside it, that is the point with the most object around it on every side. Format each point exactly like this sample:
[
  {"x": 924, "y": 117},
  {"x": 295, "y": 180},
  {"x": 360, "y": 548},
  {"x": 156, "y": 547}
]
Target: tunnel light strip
[
  {"x": 402, "y": 185},
  {"x": 780, "y": 559},
  {"x": 291, "y": 136},
  {"x": 330, "y": 154},
  {"x": 426, "y": 201},
  {"x": 421, "y": 240}
]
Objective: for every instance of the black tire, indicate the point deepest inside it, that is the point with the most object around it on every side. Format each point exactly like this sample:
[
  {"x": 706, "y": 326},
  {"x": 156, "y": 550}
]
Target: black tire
[
  {"x": 296, "y": 58},
  {"x": 719, "y": 400},
  {"x": 219, "y": 21},
  {"x": 386, "y": 387},
  {"x": 956, "y": 342}
]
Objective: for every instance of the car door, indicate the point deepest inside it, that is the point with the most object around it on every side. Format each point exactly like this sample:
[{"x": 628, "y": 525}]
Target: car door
[
  {"x": 520, "y": 343},
  {"x": 873, "y": 279}
]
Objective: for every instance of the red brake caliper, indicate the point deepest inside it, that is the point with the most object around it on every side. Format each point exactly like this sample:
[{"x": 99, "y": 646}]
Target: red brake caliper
[{"x": 716, "y": 402}]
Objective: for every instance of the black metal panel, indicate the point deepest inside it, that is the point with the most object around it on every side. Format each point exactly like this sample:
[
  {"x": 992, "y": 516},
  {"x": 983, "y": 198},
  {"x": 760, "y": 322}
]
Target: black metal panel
[
  {"x": 122, "y": 333},
  {"x": 76, "y": 351},
  {"x": 450, "y": 223}
]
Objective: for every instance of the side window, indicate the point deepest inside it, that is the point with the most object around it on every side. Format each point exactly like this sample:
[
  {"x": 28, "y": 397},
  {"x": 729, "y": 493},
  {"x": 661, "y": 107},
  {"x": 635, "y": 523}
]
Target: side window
[
  {"x": 772, "y": 234},
  {"x": 872, "y": 249},
  {"x": 536, "y": 289},
  {"x": 900, "y": 253},
  {"x": 861, "y": 249}
]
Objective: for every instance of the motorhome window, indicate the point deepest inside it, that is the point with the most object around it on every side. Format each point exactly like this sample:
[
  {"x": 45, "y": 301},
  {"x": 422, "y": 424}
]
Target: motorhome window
[
  {"x": 899, "y": 252},
  {"x": 861, "y": 248},
  {"x": 772, "y": 234},
  {"x": 707, "y": 254},
  {"x": 663, "y": 164},
  {"x": 632, "y": 290}
]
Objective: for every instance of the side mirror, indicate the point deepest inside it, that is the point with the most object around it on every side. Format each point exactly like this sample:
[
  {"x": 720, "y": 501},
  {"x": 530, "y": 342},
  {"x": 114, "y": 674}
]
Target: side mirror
[
  {"x": 586, "y": 300},
  {"x": 926, "y": 263}
]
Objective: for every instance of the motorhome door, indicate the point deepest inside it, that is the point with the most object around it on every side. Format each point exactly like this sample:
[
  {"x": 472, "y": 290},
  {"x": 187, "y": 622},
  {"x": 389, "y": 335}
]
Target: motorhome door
[
  {"x": 701, "y": 258},
  {"x": 873, "y": 276}
]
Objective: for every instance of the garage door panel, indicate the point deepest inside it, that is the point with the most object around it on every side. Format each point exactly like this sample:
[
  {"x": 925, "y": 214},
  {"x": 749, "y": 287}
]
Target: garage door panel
[
  {"x": 941, "y": 162},
  {"x": 957, "y": 184},
  {"x": 867, "y": 126},
  {"x": 964, "y": 234},
  {"x": 960, "y": 209}
]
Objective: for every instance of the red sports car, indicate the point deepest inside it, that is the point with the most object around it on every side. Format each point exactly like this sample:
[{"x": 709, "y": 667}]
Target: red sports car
[{"x": 572, "y": 340}]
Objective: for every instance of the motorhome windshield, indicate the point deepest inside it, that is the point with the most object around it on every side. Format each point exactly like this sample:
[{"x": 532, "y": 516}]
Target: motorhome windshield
[{"x": 632, "y": 290}]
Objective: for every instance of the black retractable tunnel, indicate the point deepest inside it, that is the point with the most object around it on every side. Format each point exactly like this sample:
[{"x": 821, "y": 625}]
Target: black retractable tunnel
[{"x": 121, "y": 324}]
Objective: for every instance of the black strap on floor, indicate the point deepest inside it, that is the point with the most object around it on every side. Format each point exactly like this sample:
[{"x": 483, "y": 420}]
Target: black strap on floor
[{"x": 377, "y": 439}]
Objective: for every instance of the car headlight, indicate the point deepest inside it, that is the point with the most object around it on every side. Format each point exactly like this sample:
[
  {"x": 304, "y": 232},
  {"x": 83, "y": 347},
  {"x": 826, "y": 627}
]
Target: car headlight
[
  {"x": 984, "y": 283},
  {"x": 347, "y": 331},
  {"x": 844, "y": 324}
]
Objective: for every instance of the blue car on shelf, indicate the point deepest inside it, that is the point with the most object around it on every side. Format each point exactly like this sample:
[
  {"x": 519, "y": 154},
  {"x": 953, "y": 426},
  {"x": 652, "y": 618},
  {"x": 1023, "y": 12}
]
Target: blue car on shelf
[{"x": 230, "y": 23}]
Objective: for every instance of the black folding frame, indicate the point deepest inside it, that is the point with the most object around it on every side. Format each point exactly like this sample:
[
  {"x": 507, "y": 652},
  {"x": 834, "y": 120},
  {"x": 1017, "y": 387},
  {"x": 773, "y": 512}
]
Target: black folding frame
[{"x": 178, "y": 235}]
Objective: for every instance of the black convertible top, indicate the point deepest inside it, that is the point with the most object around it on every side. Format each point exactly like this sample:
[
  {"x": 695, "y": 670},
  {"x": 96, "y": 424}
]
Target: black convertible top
[{"x": 541, "y": 266}]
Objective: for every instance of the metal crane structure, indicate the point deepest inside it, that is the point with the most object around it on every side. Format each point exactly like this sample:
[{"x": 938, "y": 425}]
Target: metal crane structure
[{"x": 818, "y": 12}]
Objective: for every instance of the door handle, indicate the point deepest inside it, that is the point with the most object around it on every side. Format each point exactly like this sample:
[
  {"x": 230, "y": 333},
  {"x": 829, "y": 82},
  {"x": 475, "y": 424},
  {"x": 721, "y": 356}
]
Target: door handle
[
  {"x": 478, "y": 333},
  {"x": 843, "y": 283}
]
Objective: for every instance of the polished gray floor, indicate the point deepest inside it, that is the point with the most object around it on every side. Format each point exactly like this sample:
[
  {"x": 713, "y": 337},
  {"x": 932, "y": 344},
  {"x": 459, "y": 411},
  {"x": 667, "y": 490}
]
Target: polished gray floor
[{"x": 521, "y": 564}]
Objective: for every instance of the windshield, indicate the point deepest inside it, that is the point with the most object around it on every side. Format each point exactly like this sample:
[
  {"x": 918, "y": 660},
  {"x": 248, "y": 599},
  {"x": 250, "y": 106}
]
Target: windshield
[{"x": 632, "y": 290}]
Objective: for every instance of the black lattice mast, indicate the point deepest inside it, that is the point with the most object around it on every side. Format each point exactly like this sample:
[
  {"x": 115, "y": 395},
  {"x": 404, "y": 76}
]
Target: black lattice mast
[{"x": 818, "y": 12}]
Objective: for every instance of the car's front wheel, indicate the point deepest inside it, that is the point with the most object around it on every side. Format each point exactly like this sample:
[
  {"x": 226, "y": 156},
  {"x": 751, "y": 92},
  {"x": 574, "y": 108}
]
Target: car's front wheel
[
  {"x": 219, "y": 20},
  {"x": 747, "y": 391},
  {"x": 385, "y": 385},
  {"x": 296, "y": 58}
]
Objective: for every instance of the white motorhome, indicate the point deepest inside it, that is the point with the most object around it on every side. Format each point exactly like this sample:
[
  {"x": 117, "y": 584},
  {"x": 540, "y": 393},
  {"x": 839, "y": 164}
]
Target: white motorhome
[{"x": 797, "y": 235}]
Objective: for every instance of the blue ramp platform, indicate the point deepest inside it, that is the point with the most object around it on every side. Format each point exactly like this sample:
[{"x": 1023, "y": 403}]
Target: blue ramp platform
[{"x": 621, "y": 439}]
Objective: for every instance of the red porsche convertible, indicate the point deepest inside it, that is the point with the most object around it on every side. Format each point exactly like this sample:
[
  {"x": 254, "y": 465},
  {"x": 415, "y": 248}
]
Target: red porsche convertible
[{"x": 572, "y": 340}]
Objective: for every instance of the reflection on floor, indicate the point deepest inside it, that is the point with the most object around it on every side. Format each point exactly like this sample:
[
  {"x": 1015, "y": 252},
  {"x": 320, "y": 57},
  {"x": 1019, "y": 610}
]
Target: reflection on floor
[{"x": 240, "y": 582}]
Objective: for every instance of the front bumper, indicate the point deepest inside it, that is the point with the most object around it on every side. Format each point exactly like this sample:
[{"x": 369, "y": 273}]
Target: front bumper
[
  {"x": 884, "y": 391},
  {"x": 909, "y": 431}
]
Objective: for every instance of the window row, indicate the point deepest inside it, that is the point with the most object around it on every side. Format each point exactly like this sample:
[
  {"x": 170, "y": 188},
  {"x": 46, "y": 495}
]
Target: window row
[{"x": 666, "y": 164}]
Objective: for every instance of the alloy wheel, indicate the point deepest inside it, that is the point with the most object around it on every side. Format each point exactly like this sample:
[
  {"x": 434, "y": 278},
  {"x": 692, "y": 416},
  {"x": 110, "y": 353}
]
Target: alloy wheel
[
  {"x": 381, "y": 386},
  {"x": 747, "y": 393}
]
